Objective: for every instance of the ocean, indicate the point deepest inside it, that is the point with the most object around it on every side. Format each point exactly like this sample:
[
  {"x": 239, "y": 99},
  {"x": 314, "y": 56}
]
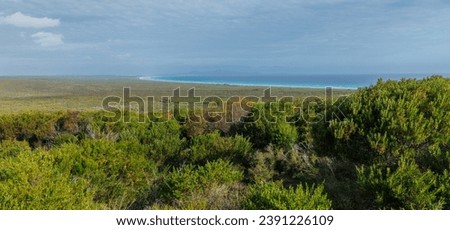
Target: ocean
[{"x": 307, "y": 81}]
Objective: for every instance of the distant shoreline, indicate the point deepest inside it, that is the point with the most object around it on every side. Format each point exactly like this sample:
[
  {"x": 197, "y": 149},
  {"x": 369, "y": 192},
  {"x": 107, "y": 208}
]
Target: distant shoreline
[
  {"x": 160, "y": 79},
  {"x": 312, "y": 82}
]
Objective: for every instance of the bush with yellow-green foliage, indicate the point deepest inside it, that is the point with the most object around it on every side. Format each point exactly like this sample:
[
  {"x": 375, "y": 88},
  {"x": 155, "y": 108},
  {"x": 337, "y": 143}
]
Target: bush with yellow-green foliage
[
  {"x": 403, "y": 187},
  {"x": 30, "y": 180},
  {"x": 164, "y": 140},
  {"x": 273, "y": 196},
  {"x": 213, "y": 146},
  {"x": 216, "y": 185},
  {"x": 383, "y": 121},
  {"x": 397, "y": 133},
  {"x": 36, "y": 128},
  {"x": 120, "y": 171},
  {"x": 269, "y": 124},
  {"x": 94, "y": 174}
]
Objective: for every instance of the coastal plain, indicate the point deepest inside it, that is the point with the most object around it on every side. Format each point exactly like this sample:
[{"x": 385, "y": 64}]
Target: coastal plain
[{"x": 86, "y": 93}]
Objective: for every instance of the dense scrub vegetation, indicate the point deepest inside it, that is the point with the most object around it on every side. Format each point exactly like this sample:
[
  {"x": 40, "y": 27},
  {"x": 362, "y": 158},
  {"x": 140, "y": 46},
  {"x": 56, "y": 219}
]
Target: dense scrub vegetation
[{"x": 384, "y": 147}]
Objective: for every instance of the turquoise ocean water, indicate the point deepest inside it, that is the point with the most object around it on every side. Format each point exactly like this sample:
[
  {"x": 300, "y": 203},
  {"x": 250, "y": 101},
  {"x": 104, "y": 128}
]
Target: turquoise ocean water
[{"x": 310, "y": 81}]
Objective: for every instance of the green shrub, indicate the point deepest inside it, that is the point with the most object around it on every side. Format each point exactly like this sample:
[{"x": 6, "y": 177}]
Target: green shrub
[
  {"x": 406, "y": 187},
  {"x": 211, "y": 147},
  {"x": 273, "y": 196},
  {"x": 164, "y": 140},
  {"x": 121, "y": 173},
  {"x": 378, "y": 126},
  {"x": 70, "y": 122},
  {"x": 215, "y": 185},
  {"x": 64, "y": 139},
  {"x": 31, "y": 181},
  {"x": 267, "y": 126},
  {"x": 9, "y": 148},
  {"x": 393, "y": 117},
  {"x": 133, "y": 131},
  {"x": 37, "y": 128}
]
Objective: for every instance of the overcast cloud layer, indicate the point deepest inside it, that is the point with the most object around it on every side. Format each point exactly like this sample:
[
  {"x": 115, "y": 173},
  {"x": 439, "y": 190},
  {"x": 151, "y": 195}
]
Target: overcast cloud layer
[{"x": 144, "y": 37}]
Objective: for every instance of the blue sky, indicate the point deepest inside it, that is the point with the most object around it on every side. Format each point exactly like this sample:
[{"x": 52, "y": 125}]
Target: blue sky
[{"x": 151, "y": 37}]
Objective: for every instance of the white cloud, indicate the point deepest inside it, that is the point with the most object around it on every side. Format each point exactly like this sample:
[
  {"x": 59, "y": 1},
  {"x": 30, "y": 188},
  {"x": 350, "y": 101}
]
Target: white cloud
[
  {"x": 21, "y": 20},
  {"x": 48, "y": 39}
]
